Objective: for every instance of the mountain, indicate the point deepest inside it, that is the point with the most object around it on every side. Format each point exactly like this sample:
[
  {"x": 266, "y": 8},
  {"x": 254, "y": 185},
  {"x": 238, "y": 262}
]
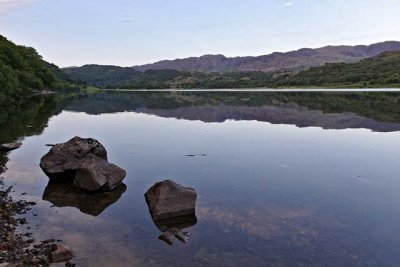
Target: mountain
[
  {"x": 383, "y": 69},
  {"x": 294, "y": 60},
  {"x": 378, "y": 71}
]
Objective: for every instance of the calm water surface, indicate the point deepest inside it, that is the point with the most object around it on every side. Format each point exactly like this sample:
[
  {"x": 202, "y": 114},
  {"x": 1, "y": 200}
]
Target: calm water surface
[{"x": 283, "y": 179}]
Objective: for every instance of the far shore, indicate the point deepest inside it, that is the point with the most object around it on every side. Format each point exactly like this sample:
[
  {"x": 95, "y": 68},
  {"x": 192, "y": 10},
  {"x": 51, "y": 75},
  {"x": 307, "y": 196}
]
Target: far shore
[{"x": 255, "y": 90}]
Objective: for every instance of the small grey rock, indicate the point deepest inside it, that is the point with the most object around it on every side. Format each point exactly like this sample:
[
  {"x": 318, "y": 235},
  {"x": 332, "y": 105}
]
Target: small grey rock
[
  {"x": 168, "y": 199},
  {"x": 10, "y": 146}
]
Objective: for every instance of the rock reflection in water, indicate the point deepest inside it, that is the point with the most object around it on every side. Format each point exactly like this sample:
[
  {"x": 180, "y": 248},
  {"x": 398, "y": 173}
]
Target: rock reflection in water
[{"x": 64, "y": 194}]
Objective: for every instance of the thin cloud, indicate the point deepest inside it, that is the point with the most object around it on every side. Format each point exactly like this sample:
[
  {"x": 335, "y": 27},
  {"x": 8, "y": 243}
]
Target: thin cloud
[
  {"x": 288, "y": 4},
  {"x": 7, "y": 5},
  {"x": 127, "y": 21}
]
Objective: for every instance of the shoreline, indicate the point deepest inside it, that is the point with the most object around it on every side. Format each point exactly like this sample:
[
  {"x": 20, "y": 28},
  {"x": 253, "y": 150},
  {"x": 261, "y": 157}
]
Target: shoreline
[
  {"x": 276, "y": 90},
  {"x": 17, "y": 245}
]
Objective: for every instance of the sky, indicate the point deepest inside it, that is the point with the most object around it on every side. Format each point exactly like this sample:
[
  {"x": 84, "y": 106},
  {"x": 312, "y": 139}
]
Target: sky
[{"x": 134, "y": 32}]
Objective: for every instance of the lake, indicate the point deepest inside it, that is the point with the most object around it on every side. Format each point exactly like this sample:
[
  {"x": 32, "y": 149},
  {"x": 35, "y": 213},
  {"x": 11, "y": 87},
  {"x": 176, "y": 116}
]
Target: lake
[{"x": 282, "y": 178}]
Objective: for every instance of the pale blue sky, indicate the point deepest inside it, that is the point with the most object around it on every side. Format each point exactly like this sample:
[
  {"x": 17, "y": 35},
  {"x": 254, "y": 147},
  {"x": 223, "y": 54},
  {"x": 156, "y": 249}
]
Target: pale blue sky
[{"x": 131, "y": 32}]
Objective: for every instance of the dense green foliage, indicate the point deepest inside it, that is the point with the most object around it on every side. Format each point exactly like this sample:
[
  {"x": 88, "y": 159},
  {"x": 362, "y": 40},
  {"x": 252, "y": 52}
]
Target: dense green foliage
[
  {"x": 381, "y": 70},
  {"x": 104, "y": 76},
  {"x": 128, "y": 78},
  {"x": 101, "y": 75},
  {"x": 23, "y": 70}
]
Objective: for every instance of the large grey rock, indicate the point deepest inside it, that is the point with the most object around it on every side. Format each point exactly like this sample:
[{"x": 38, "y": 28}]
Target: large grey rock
[
  {"x": 9, "y": 146},
  {"x": 168, "y": 199},
  {"x": 95, "y": 173},
  {"x": 64, "y": 159}
]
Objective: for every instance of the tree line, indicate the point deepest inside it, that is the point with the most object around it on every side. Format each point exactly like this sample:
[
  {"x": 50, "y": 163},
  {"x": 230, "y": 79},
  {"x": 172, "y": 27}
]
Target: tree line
[{"x": 22, "y": 70}]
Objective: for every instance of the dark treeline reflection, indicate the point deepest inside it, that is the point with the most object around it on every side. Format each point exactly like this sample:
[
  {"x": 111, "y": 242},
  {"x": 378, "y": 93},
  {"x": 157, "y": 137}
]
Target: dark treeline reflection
[
  {"x": 374, "y": 110},
  {"x": 25, "y": 117},
  {"x": 28, "y": 116}
]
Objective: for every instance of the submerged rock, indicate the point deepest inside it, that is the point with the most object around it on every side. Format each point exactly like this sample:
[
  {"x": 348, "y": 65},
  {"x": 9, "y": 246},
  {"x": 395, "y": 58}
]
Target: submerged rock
[
  {"x": 172, "y": 208},
  {"x": 64, "y": 194},
  {"x": 179, "y": 222},
  {"x": 64, "y": 159},
  {"x": 166, "y": 237},
  {"x": 174, "y": 226},
  {"x": 61, "y": 253},
  {"x": 95, "y": 173},
  {"x": 10, "y": 146}
]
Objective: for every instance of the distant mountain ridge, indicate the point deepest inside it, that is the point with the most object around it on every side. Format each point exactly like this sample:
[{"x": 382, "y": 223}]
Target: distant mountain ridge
[
  {"x": 294, "y": 60},
  {"x": 381, "y": 70}
]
